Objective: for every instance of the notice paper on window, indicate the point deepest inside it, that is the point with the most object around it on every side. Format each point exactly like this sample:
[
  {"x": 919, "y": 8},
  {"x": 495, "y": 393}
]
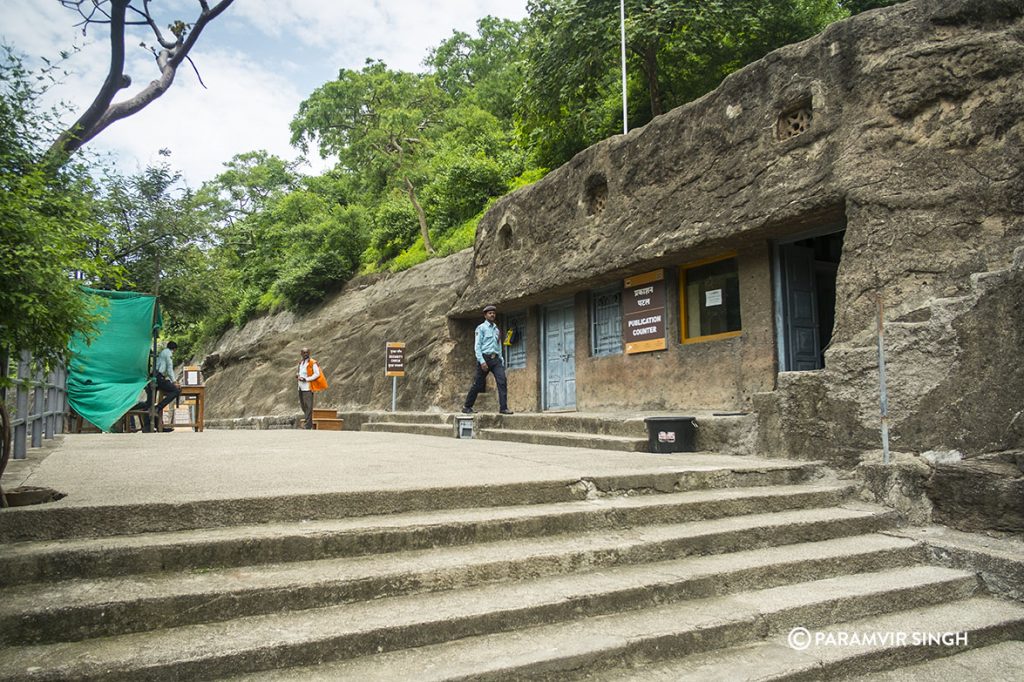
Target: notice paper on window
[{"x": 712, "y": 298}]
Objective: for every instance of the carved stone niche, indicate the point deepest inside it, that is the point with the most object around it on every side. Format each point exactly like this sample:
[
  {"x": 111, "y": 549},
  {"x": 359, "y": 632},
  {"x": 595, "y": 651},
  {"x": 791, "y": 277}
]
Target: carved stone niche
[
  {"x": 795, "y": 119},
  {"x": 595, "y": 194},
  {"x": 505, "y": 239}
]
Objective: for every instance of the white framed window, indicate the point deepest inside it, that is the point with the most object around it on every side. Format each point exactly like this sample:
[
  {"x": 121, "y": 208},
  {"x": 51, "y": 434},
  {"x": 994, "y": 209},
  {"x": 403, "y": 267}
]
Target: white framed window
[
  {"x": 513, "y": 343},
  {"x": 606, "y": 321}
]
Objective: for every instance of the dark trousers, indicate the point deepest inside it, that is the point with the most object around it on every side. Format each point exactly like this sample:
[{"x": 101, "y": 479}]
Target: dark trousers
[
  {"x": 306, "y": 403},
  {"x": 167, "y": 387},
  {"x": 170, "y": 391},
  {"x": 496, "y": 368}
]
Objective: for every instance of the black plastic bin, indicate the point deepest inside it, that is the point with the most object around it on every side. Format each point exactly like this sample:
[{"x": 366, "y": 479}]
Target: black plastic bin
[{"x": 671, "y": 434}]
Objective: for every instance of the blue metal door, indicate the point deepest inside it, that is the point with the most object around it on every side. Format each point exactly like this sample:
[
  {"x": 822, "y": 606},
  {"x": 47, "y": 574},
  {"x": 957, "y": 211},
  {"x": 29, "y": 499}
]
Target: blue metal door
[{"x": 559, "y": 376}]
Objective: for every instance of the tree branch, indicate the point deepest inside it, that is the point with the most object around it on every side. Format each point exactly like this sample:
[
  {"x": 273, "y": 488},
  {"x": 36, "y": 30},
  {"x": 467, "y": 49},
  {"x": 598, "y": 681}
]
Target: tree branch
[{"x": 103, "y": 112}]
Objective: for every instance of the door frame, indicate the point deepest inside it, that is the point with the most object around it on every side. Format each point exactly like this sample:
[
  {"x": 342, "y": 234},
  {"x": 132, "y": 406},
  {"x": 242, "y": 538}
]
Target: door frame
[
  {"x": 568, "y": 304},
  {"x": 778, "y": 291}
]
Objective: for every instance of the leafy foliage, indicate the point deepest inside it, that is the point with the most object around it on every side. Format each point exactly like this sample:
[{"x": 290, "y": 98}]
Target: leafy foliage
[
  {"x": 677, "y": 50},
  {"x": 47, "y": 226}
]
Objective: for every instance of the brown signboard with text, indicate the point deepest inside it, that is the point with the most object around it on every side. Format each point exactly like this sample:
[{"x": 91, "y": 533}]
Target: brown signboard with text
[
  {"x": 394, "y": 362},
  {"x": 643, "y": 308}
]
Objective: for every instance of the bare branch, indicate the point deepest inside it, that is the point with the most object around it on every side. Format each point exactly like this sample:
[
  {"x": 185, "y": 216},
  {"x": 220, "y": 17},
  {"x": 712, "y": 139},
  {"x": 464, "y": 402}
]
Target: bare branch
[
  {"x": 103, "y": 112},
  {"x": 195, "y": 69}
]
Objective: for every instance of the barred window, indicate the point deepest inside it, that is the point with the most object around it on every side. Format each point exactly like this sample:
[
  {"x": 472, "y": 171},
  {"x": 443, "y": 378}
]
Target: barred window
[
  {"x": 515, "y": 334},
  {"x": 606, "y": 321}
]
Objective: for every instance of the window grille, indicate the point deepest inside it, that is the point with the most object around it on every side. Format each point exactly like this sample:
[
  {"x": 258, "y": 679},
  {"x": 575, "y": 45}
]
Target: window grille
[
  {"x": 795, "y": 121},
  {"x": 606, "y": 321},
  {"x": 515, "y": 354}
]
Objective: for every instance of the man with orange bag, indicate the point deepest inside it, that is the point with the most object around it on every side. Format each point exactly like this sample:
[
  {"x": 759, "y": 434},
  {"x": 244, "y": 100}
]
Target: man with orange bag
[{"x": 311, "y": 380}]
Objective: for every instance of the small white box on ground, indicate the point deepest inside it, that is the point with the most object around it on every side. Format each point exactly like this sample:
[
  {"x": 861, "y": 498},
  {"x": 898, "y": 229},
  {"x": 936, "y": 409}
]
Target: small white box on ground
[{"x": 463, "y": 427}]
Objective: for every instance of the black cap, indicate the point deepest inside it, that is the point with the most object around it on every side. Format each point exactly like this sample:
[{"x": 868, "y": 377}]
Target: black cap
[{"x": 489, "y": 308}]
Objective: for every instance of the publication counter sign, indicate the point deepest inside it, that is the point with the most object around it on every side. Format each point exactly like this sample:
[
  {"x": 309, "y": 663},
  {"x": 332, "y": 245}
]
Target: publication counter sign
[
  {"x": 394, "y": 360},
  {"x": 643, "y": 307}
]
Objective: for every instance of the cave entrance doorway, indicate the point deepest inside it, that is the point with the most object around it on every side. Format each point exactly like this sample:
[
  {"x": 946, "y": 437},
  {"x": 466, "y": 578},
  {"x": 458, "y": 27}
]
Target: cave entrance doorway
[{"x": 806, "y": 267}]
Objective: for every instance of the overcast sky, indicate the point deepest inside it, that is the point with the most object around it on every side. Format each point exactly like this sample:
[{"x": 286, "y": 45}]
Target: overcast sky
[{"x": 259, "y": 60}]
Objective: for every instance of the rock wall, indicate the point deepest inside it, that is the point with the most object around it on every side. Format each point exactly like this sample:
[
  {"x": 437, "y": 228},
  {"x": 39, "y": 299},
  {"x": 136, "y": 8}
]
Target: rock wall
[{"x": 251, "y": 372}]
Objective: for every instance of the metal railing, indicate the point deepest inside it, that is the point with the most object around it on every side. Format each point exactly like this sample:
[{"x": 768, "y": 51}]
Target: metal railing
[{"x": 39, "y": 405}]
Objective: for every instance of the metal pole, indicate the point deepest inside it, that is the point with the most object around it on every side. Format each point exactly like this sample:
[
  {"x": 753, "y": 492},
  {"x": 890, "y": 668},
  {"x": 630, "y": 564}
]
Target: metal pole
[
  {"x": 622, "y": 32},
  {"x": 21, "y": 407},
  {"x": 883, "y": 394},
  {"x": 38, "y": 408},
  {"x": 394, "y": 392}
]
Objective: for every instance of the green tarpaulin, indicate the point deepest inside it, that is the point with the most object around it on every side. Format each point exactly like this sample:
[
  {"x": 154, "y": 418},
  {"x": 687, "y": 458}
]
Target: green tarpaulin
[{"x": 106, "y": 376}]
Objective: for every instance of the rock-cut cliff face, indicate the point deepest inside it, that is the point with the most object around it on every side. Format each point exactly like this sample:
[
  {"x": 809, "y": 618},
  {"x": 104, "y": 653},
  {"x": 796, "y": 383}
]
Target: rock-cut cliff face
[{"x": 251, "y": 372}]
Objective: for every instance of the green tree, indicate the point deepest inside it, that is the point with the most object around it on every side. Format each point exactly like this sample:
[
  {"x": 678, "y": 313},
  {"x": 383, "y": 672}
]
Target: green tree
[
  {"x": 247, "y": 184},
  {"x": 159, "y": 236},
  {"x": 378, "y": 122},
  {"x": 47, "y": 225},
  {"x": 487, "y": 70},
  {"x": 677, "y": 50}
]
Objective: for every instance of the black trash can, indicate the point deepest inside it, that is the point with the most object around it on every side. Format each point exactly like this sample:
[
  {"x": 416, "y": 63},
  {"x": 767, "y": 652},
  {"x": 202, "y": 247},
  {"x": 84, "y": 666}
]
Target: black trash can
[{"x": 671, "y": 434}]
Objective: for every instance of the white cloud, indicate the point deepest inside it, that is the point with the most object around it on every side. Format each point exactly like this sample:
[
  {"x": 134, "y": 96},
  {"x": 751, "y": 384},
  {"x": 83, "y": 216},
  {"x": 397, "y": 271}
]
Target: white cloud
[{"x": 259, "y": 60}]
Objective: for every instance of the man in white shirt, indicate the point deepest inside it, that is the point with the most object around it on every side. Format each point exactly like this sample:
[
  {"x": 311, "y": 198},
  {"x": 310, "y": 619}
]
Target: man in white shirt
[{"x": 307, "y": 373}]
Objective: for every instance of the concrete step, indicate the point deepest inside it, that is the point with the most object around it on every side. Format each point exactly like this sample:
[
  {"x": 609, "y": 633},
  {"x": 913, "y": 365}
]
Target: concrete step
[
  {"x": 1002, "y": 662},
  {"x": 724, "y": 433},
  {"x": 80, "y": 609},
  {"x": 566, "y": 439},
  {"x": 216, "y": 650},
  {"x": 586, "y": 647},
  {"x": 54, "y": 522},
  {"x": 589, "y": 424},
  {"x": 969, "y": 643},
  {"x": 425, "y": 429},
  {"x": 279, "y": 542},
  {"x": 408, "y": 417}
]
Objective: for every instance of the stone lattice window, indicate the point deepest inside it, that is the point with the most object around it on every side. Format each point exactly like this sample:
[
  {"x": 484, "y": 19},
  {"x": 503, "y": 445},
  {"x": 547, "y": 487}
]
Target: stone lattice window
[
  {"x": 597, "y": 194},
  {"x": 795, "y": 120}
]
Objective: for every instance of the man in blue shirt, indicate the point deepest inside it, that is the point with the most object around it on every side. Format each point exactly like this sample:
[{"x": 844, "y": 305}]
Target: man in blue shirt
[
  {"x": 165, "y": 376},
  {"x": 488, "y": 359},
  {"x": 165, "y": 382}
]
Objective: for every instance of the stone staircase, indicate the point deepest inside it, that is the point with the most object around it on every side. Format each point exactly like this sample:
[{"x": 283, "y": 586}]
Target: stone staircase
[
  {"x": 690, "y": 572},
  {"x": 724, "y": 433}
]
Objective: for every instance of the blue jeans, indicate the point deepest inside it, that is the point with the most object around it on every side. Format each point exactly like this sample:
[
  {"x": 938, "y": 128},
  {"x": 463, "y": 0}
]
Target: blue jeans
[{"x": 495, "y": 367}]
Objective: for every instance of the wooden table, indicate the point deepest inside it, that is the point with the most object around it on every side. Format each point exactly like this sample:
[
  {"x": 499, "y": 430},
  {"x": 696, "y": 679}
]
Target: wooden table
[{"x": 196, "y": 394}]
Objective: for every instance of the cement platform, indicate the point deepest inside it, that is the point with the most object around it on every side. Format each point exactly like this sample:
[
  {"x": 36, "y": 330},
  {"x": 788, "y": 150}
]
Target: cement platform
[{"x": 183, "y": 466}]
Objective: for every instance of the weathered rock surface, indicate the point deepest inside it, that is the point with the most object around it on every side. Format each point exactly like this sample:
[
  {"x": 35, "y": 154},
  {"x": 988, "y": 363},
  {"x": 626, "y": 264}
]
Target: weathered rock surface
[{"x": 252, "y": 370}]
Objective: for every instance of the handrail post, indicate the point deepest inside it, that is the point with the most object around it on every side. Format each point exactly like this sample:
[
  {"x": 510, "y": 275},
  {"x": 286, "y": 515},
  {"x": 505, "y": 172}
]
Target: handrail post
[
  {"x": 37, "y": 406},
  {"x": 882, "y": 390},
  {"x": 21, "y": 407}
]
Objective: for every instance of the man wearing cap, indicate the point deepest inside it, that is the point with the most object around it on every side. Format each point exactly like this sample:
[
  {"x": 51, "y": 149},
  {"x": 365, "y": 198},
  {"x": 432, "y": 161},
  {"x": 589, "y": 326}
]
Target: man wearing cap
[{"x": 488, "y": 359}]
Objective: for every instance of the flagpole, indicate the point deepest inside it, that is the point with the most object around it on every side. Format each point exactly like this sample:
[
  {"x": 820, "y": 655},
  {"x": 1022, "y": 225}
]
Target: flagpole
[{"x": 622, "y": 31}]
